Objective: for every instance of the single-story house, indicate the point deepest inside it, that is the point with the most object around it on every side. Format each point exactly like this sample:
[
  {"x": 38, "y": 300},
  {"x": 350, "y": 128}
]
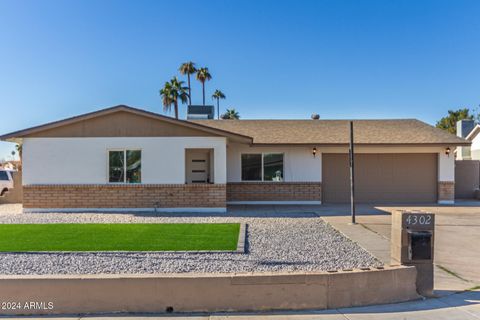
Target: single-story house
[{"x": 123, "y": 158}]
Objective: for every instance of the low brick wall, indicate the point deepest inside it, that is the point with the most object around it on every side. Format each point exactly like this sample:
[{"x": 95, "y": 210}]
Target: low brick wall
[
  {"x": 207, "y": 292},
  {"x": 125, "y": 196},
  {"x": 274, "y": 191},
  {"x": 446, "y": 190}
]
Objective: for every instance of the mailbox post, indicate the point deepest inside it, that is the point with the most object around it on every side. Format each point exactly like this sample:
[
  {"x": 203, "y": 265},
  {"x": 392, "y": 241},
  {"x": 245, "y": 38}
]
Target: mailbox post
[{"x": 412, "y": 240}]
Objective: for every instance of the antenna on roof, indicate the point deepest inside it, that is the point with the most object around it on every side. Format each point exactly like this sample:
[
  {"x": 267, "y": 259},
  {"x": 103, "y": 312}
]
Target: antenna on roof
[{"x": 315, "y": 116}]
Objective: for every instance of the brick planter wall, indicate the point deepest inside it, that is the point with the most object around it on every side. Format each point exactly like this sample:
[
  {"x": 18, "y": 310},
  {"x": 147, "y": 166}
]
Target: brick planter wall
[
  {"x": 274, "y": 191},
  {"x": 446, "y": 190},
  {"x": 125, "y": 196}
]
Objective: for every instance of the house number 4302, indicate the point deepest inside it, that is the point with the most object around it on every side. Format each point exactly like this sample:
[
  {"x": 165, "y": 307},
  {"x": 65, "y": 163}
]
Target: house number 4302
[{"x": 414, "y": 219}]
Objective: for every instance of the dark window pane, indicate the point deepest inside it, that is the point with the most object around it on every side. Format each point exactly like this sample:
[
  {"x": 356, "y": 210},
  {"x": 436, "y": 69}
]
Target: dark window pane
[
  {"x": 116, "y": 168},
  {"x": 134, "y": 166},
  {"x": 251, "y": 167},
  {"x": 273, "y": 167},
  {"x": 4, "y": 175}
]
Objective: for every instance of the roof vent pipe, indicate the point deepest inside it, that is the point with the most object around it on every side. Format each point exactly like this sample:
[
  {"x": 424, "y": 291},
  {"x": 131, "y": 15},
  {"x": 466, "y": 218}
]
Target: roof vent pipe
[{"x": 315, "y": 116}]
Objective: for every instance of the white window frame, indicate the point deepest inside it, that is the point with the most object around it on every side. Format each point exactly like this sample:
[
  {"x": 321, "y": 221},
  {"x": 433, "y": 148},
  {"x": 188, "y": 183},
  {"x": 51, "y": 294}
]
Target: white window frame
[
  {"x": 124, "y": 150},
  {"x": 263, "y": 165}
]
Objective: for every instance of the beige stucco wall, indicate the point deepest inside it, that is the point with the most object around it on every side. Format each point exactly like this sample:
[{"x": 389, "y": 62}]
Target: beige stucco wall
[
  {"x": 14, "y": 195},
  {"x": 209, "y": 292}
]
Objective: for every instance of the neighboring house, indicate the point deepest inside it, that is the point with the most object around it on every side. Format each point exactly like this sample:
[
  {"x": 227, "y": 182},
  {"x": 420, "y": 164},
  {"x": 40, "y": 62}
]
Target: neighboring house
[
  {"x": 126, "y": 158},
  {"x": 464, "y": 128},
  {"x": 475, "y": 139},
  {"x": 469, "y": 130}
]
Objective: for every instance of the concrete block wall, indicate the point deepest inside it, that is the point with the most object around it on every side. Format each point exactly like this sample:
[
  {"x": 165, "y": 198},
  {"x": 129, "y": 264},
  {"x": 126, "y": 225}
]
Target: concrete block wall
[{"x": 467, "y": 178}]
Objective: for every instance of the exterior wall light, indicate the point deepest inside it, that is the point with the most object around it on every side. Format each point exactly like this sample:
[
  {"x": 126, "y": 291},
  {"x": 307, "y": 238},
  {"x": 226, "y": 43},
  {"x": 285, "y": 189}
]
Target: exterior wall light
[
  {"x": 447, "y": 151},
  {"x": 314, "y": 151}
]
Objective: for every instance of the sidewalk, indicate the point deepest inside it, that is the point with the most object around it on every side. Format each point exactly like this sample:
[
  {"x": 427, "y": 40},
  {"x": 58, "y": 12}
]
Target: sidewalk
[{"x": 461, "y": 306}]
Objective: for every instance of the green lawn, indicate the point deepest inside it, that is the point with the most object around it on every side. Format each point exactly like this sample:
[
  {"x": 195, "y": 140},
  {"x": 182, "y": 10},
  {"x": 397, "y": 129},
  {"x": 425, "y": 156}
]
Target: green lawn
[{"x": 113, "y": 237}]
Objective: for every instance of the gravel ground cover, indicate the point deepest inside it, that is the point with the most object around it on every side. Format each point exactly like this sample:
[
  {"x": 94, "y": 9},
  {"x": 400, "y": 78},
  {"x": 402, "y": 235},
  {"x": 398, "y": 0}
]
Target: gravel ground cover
[{"x": 291, "y": 241}]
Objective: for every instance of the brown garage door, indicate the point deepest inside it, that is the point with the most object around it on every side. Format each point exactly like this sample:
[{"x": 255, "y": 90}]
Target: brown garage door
[{"x": 387, "y": 178}]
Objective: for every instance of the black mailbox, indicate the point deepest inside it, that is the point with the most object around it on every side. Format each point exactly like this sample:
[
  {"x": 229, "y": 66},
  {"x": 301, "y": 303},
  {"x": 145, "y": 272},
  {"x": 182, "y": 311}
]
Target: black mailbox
[
  {"x": 412, "y": 244},
  {"x": 419, "y": 245}
]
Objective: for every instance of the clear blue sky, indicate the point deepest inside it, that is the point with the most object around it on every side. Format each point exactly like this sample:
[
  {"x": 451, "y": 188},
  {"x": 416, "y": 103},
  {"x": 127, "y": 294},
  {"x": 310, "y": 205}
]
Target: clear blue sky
[{"x": 273, "y": 59}]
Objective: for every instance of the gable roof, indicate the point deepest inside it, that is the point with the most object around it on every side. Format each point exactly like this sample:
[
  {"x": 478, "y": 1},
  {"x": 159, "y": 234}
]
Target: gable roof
[
  {"x": 270, "y": 132},
  {"x": 46, "y": 129},
  {"x": 336, "y": 132}
]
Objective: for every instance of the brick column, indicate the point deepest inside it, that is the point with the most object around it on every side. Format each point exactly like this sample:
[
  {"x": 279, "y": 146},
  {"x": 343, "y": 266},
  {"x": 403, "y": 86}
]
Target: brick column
[{"x": 446, "y": 192}]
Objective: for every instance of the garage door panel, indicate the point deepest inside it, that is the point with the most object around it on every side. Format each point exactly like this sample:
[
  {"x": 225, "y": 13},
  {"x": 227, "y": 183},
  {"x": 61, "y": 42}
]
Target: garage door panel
[
  {"x": 335, "y": 171},
  {"x": 381, "y": 178}
]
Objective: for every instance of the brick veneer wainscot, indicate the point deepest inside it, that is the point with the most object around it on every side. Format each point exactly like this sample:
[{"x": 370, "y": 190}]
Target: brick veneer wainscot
[
  {"x": 274, "y": 191},
  {"x": 446, "y": 190},
  {"x": 125, "y": 196}
]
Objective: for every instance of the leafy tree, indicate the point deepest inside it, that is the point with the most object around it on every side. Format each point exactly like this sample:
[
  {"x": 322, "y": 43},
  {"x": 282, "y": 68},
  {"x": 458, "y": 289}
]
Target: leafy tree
[
  {"x": 449, "y": 122},
  {"x": 218, "y": 95},
  {"x": 203, "y": 75},
  {"x": 188, "y": 68},
  {"x": 231, "y": 114},
  {"x": 171, "y": 92}
]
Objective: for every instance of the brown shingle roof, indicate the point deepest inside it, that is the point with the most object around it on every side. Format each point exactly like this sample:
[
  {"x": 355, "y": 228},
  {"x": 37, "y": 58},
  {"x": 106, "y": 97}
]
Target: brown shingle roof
[{"x": 403, "y": 131}]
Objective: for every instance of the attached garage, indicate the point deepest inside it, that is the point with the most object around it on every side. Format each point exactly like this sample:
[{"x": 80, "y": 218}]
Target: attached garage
[{"x": 381, "y": 178}]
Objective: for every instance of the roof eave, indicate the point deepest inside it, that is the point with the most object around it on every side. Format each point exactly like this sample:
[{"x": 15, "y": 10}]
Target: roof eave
[{"x": 320, "y": 144}]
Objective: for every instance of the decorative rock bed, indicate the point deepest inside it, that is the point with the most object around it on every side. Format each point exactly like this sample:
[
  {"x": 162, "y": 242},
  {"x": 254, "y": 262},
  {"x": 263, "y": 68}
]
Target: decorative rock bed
[{"x": 292, "y": 242}]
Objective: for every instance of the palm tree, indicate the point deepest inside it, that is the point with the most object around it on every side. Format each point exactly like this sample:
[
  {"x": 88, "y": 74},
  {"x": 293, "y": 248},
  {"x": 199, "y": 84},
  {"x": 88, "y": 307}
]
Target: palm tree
[
  {"x": 202, "y": 76},
  {"x": 218, "y": 95},
  {"x": 166, "y": 96},
  {"x": 188, "y": 68},
  {"x": 171, "y": 93},
  {"x": 19, "y": 148},
  {"x": 231, "y": 114}
]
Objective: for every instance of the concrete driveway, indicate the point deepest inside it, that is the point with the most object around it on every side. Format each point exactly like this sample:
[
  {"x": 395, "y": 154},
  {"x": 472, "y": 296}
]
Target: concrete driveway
[{"x": 457, "y": 240}]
